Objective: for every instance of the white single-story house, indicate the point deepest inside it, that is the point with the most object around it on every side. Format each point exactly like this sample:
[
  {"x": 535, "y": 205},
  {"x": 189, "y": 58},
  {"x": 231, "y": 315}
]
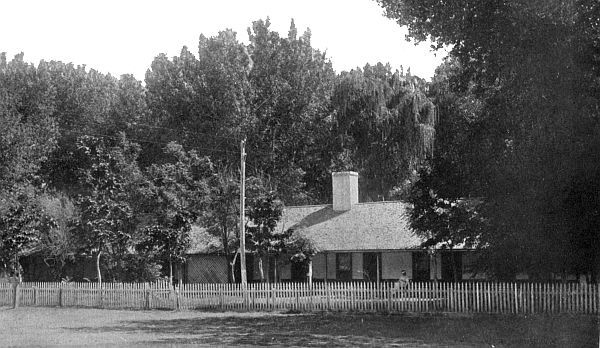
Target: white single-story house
[{"x": 356, "y": 242}]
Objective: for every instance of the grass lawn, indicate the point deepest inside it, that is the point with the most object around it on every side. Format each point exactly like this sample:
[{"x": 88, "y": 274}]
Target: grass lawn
[{"x": 29, "y": 326}]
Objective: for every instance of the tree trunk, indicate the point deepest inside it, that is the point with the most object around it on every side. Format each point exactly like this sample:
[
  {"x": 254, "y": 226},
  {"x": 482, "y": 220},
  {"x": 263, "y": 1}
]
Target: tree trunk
[
  {"x": 98, "y": 273},
  {"x": 310, "y": 271},
  {"x": 260, "y": 268},
  {"x": 179, "y": 274},
  {"x": 18, "y": 269},
  {"x": 231, "y": 267},
  {"x": 170, "y": 271}
]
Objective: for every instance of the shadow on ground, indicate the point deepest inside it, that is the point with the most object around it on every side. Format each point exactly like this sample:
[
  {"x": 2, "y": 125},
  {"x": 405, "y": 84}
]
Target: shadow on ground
[{"x": 320, "y": 330}]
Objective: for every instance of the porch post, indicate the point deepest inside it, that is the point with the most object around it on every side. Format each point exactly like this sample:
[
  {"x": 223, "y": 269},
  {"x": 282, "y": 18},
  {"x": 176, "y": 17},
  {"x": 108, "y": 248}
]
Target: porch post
[
  {"x": 326, "y": 270},
  {"x": 378, "y": 274}
]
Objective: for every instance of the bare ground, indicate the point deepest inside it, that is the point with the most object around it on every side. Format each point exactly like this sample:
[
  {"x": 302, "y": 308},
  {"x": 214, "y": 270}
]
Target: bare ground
[{"x": 77, "y": 326}]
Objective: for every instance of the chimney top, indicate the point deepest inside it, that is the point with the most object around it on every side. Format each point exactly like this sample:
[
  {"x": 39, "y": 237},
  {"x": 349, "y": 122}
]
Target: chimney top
[{"x": 345, "y": 190}]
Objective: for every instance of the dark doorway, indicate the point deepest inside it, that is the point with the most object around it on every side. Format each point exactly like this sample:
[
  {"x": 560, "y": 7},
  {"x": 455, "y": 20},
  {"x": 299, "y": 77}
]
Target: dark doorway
[
  {"x": 370, "y": 265},
  {"x": 420, "y": 261},
  {"x": 451, "y": 262},
  {"x": 299, "y": 271},
  {"x": 273, "y": 272},
  {"x": 344, "y": 266}
]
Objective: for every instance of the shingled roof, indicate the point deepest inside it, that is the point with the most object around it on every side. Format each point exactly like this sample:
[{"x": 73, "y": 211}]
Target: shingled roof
[{"x": 366, "y": 226}]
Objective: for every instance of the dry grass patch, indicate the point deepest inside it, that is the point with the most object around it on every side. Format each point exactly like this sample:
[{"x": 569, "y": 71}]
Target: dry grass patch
[{"x": 71, "y": 326}]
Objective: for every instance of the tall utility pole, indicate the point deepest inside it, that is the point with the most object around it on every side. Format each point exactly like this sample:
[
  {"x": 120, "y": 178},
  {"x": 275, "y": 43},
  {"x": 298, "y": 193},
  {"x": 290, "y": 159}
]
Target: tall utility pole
[{"x": 242, "y": 215}]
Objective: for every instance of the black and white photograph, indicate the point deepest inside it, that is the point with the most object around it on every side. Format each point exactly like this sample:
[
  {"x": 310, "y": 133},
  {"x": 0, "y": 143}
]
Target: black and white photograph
[{"x": 358, "y": 173}]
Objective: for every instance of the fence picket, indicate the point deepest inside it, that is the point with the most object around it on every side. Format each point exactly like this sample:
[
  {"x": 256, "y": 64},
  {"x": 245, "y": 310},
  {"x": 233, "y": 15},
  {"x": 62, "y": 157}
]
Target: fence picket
[
  {"x": 454, "y": 296},
  {"x": 457, "y": 307},
  {"x": 586, "y": 298}
]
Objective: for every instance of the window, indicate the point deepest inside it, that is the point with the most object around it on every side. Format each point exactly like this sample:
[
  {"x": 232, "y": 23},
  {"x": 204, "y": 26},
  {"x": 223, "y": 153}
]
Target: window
[{"x": 344, "y": 266}]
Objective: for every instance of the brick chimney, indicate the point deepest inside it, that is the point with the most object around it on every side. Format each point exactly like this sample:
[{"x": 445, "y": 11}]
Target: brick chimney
[{"x": 345, "y": 190}]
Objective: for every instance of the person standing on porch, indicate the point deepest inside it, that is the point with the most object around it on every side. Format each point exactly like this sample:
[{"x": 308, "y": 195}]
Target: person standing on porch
[{"x": 403, "y": 281}]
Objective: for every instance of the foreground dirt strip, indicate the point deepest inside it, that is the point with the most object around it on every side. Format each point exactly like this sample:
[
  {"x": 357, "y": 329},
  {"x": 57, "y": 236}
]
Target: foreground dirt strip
[{"x": 77, "y": 327}]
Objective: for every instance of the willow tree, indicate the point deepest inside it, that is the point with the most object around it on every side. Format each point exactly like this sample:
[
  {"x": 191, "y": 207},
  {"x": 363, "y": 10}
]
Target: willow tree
[{"x": 385, "y": 126}]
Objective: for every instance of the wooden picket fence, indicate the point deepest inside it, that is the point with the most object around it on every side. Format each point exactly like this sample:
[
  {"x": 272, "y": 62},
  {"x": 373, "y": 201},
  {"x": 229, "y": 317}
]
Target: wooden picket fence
[
  {"x": 109, "y": 295},
  {"x": 476, "y": 297}
]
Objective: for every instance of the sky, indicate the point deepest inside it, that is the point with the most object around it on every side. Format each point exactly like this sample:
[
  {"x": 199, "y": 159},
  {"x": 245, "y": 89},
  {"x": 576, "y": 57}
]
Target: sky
[{"x": 124, "y": 36}]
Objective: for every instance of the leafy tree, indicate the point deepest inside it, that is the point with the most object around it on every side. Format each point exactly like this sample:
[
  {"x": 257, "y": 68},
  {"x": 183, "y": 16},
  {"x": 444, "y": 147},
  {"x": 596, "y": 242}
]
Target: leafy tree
[
  {"x": 27, "y": 130},
  {"x": 201, "y": 103},
  {"x": 59, "y": 245},
  {"x": 292, "y": 84},
  {"x": 87, "y": 103},
  {"x": 174, "y": 199},
  {"x": 301, "y": 248},
  {"x": 531, "y": 70},
  {"x": 107, "y": 222},
  {"x": 264, "y": 210},
  {"x": 22, "y": 226},
  {"x": 274, "y": 91},
  {"x": 222, "y": 215},
  {"x": 167, "y": 244},
  {"x": 385, "y": 124},
  {"x": 27, "y": 135},
  {"x": 443, "y": 223},
  {"x": 43, "y": 110}
]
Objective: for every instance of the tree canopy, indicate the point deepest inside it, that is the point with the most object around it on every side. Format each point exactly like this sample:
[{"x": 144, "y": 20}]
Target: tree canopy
[
  {"x": 88, "y": 148},
  {"x": 521, "y": 88}
]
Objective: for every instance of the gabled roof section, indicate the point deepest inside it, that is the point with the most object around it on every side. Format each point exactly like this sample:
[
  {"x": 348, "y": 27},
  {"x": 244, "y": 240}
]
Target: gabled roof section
[{"x": 367, "y": 226}]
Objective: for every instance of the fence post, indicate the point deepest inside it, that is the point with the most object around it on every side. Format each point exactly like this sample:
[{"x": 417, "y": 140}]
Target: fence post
[
  {"x": 16, "y": 293},
  {"x": 60, "y": 296},
  {"x": 389, "y": 298},
  {"x": 146, "y": 296},
  {"x": 101, "y": 295},
  {"x": 221, "y": 297},
  {"x": 352, "y": 297},
  {"x": 328, "y": 295},
  {"x": 173, "y": 296},
  {"x": 297, "y": 293}
]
